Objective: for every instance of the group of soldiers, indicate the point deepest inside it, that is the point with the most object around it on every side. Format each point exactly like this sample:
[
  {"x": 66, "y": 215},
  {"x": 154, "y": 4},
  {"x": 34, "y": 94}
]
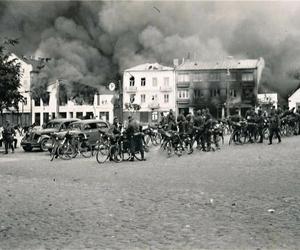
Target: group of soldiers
[
  {"x": 201, "y": 127},
  {"x": 8, "y": 134}
]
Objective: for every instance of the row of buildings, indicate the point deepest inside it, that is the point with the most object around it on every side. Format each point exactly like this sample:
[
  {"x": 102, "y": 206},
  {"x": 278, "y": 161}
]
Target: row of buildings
[
  {"x": 35, "y": 110},
  {"x": 222, "y": 86},
  {"x": 150, "y": 89}
]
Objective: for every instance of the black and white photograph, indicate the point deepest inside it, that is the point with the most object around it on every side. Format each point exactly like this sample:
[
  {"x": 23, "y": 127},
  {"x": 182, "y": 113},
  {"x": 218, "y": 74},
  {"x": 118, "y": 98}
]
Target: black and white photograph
[{"x": 149, "y": 125}]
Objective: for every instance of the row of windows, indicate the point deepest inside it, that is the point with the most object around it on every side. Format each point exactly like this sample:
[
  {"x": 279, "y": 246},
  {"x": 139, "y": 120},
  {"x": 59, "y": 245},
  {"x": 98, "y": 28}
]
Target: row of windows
[
  {"x": 143, "y": 98},
  {"x": 215, "y": 92},
  {"x": 198, "y": 77},
  {"x": 154, "y": 81}
]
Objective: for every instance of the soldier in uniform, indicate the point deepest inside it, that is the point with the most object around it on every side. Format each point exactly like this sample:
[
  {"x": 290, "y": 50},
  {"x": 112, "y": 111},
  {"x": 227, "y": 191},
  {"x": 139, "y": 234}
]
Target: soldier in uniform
[
  {"x": 171, "y": 121},
  {"x": 135, "y": 138},
  {"x": 181, "y": 122},
  {"x": 208, "y": 130},
  {"x": 274, "y": 123},
  {"x": 199, "y": 130},
  {"x": 250, "y": 117},
  {"x": 8, "y": 137},
  {"x": 260, "y": 121}
]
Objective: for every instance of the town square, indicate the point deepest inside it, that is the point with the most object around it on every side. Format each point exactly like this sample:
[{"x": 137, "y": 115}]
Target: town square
[{"x": 149, "y": 125}]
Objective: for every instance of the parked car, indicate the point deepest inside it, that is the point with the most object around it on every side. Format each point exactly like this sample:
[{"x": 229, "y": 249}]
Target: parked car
[
  {"x": 90, "y": 128},
  {"x": 37, "y": 138}
]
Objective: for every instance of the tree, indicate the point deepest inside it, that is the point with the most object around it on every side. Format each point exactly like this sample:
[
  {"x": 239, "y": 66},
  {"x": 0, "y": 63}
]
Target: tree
[{"x": 9, "y": 78}]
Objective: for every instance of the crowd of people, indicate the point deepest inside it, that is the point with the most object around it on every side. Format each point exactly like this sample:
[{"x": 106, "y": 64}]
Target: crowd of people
[{"x": 201, "y": 128}]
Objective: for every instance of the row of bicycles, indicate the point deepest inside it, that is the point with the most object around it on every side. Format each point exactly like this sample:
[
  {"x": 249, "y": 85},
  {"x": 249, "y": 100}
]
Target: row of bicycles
[{"x": 245, "y": 132}]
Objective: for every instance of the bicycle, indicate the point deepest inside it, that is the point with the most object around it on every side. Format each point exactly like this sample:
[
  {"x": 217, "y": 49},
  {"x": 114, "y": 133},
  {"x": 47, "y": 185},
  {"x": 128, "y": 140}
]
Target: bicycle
[
  {"x": 79, "y": 146},
  {"x": 60, "y": 147},
  {"x": 109, "y": 151}
]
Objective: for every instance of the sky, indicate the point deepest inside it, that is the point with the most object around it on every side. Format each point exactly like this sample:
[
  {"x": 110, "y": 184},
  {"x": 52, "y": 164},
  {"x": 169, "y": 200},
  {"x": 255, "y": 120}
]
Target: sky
[{"x": 93, "y": 42}]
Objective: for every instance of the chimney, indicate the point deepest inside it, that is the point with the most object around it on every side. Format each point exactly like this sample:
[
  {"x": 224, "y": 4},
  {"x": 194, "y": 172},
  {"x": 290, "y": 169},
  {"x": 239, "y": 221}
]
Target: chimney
[{"x": 175, "y": 62}]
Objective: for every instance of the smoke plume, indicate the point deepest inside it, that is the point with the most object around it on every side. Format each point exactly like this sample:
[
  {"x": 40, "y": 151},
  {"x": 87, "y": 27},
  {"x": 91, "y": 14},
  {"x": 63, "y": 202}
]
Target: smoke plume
[{"x": 91, "y": 43}]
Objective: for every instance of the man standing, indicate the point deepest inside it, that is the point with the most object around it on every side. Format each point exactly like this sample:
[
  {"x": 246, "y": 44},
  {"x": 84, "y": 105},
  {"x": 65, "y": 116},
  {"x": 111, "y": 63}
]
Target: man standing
[
  {"x": 135, "y": 138},
  {"x": 274, "y": 124},
  {"x": 260, "y": 121},
  {"x": 8, "y": 137}
]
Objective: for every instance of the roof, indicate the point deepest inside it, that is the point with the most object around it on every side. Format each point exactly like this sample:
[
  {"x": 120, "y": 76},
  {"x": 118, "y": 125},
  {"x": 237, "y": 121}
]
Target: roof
[
  {"x": 64, "y": 120},
  {"x": 37, "y": 64},
  {"x": 87, "y": 121},
  {"x": 149, "y": 66},
  {"x": 222, "y": 64}
]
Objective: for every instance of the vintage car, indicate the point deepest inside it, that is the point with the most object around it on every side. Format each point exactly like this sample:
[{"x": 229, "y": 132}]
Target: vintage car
[
  {"x": 37, "y": 138},
  {"x": 90, "y": 128}
]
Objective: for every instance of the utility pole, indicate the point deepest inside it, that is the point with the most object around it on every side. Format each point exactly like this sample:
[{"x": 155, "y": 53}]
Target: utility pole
[
  {"x": 57, "y": 99},
  {"x": 227, "y": 92}
]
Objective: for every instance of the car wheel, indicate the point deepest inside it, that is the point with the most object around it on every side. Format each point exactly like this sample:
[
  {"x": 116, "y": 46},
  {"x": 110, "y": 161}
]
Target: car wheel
[{"x": 43, "y": 145}]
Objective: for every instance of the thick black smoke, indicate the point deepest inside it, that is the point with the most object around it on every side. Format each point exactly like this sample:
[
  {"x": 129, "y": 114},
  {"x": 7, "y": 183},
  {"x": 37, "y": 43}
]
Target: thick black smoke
[{"x": 92, "y": 42}]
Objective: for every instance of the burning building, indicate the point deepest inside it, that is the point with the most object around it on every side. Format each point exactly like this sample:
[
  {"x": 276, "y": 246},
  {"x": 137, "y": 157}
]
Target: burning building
[{"x": 222, "y": 86}]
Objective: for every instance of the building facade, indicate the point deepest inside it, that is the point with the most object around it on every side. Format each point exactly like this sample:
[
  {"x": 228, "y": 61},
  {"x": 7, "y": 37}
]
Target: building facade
[
  {"x": 294, "y": 99},
  {"x": 148, "y": 90},
  {"x": 223, "y": 87},
  {"x": 102, "y": 108},
  {"x": 38, "y": 111}
]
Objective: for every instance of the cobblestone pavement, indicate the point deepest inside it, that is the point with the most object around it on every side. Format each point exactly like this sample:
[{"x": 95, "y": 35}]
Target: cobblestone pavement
[{"x": 242, "y": 197}]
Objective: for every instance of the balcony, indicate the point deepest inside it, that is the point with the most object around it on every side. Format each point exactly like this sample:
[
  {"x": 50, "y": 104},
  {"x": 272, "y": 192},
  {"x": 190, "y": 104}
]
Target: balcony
[
  {"x": 183, "y": 84},
  {"x": 183, "y": 101},
  {"x": 131, "y": 89},
  {"x": 165, "y": 89}
]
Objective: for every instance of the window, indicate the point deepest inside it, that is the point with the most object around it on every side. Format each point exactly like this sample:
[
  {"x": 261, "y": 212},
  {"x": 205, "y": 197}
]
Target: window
[
  {"x": 215, "y": 92},
  {"x": 101, "y": 125},
  {"x": 233, "y": 76},
  {"x": 183, "y": 94},
  {"x": 166, "y": 98},
  {"x": 132, "y": 98},
  {"x": 214, "y": 76},
  {"x": 37, "y": 102},
  {"x": 198, "y": 93},
  {"x": 183, "y": 78},
  {"x": 246, "y": 77},
  {"x": 196, "y": 77},
  {"x": 25, "y": 100},
  {"x": 166, "y": 81},
  {"x": 232, "y": 92},
  {"x": 154, "y": 81},
  {"x": 154, "y": 116},
  {"x": 143, "y": 81},
  {"x": 131, "y": 81},
  {"x": 143, "y": 98}
]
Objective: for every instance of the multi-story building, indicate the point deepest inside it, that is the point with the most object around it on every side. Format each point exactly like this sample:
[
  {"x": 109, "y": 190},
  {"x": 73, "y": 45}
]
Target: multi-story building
[
  {"x": 37, "y": 110},
  {"x": 148, "y": 90},
  {"x": 222, "y": 86}
]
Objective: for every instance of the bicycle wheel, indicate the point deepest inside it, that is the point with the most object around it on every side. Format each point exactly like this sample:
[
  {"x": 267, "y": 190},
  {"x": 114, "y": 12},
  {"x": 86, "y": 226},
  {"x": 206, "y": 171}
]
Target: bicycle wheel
[
  {"x": 147, "y": 139},
  {"x": 85, "y": 150},
  {"x": 169, "y": 148},
  {"x": 65, "y": 151},
  {"x": 102, "y": 153},
  {"x": 231, "y": 139},
  {"x": 138, "y": 155},
  {"x": 117, "y": 155},
  {"x": 53, "y": 152}
]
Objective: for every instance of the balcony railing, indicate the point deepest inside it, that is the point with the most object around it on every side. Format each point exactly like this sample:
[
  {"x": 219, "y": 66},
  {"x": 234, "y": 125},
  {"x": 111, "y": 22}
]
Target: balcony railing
[
  {"x": 165, "y": 89},
  {"x": 131, "y": 89},
  {"x": 180, "y": 100},
  {"x": 183, "y": 84}
]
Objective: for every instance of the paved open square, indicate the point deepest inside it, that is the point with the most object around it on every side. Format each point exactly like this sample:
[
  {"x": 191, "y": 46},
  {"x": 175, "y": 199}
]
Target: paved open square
[{"x": 242, "y": 197}]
